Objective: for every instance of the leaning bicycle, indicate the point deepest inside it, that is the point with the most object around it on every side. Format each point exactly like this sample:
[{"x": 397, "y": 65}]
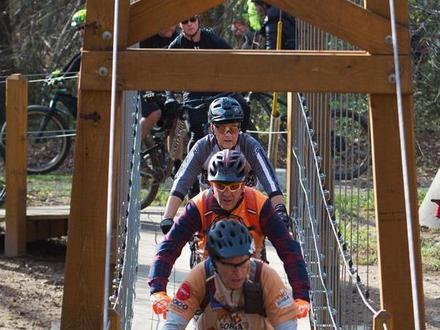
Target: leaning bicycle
[{"x": 49, "y": 131}]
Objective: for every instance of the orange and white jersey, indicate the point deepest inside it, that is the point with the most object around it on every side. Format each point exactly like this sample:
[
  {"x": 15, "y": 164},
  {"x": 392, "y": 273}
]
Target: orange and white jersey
[{"x": 224, "y": 311}]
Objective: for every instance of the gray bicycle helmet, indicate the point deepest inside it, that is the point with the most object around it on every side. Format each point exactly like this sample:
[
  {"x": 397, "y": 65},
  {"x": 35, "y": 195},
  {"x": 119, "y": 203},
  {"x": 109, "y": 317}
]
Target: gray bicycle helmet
[
  {"x": 227, "y": 166},
  {"x": 228, "y": 238},
  {"x": 225, "y": 110}
]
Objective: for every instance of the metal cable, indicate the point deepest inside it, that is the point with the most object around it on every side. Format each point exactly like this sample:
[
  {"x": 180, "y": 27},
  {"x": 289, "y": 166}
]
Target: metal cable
[
  {"x": 109, "y": 210},
  {"x": 405, "y": 172},
  {"x": 329, "y": 218}
]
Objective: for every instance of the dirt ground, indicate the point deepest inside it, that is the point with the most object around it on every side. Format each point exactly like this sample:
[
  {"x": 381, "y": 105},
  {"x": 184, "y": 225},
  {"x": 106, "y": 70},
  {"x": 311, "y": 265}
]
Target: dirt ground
[{"x": 31, "y": 287}]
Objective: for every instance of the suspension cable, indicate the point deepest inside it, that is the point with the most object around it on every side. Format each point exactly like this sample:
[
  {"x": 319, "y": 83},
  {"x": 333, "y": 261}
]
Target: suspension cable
[
  {"x": 405, "y": 172},
  {"x": 109, "y": 211}
]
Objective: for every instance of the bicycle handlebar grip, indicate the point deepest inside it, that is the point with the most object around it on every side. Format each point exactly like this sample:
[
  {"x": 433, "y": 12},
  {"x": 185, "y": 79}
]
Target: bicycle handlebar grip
[{"x": 166, "y": 224}]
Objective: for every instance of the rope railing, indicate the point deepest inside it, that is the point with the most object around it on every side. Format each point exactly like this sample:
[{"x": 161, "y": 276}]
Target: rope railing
[{"x": 311, "y": 214}]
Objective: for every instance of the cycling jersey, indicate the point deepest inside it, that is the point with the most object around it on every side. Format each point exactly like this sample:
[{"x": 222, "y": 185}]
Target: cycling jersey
[
  {"x": 198, "y": 158},
  {"x": 225, "y": 310},
  {"x": 157, "y": 41},
  {"x": 248, "y": 210},
  {"x": 191, "y": 221}
]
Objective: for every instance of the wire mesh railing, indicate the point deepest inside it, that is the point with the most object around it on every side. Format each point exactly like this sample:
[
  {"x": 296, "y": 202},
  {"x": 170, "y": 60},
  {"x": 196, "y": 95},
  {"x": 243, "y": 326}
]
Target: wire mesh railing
[
  {"x": 127, "y": 222},
  {"x": 339, "y": 297}
]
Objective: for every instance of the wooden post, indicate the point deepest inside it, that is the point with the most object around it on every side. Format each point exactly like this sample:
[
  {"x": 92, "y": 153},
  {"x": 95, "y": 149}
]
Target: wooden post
[
  {"x": 83, "y": 301},
  {"x": 16, "y": 164},
  {"x": 382, "y": 318},
  {"x": 393, "y": 253}
]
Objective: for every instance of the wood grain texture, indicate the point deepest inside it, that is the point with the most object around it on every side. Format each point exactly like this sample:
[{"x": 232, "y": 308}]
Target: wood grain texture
[
  {"x": 228, "y": 70},
  {"x": 361, "y": 27},
  {"x": 148, "y": 17},
  {"x": 16, "y": 164}
]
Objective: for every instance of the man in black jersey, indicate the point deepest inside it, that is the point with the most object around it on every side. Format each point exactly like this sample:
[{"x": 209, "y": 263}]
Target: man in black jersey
[{"x": 194, "y": 37}]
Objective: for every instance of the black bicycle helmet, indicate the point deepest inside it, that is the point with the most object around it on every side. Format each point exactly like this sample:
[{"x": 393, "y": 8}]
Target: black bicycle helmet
[
  {"x": 225, "y": 110},
  {"x": 228, "y": 238},
  {"x": 227, "y": 166}
]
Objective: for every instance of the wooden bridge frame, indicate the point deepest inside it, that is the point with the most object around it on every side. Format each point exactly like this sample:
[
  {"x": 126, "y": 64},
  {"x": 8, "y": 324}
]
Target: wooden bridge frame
[{"x": 365, "y": 71}]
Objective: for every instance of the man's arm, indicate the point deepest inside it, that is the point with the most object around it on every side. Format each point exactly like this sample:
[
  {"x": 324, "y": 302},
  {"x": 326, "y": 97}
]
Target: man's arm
[
  {"x": 287, "y": 249},
  {"x": 191, "y": 167},
  {"x": 262, "y": 167},
  {"x": 170, "y": 248}
]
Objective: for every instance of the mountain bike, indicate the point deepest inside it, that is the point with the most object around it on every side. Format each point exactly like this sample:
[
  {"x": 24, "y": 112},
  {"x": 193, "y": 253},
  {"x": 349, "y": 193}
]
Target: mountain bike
[
  {"x": 156, "y": 161},
  {"x": 50, "y": 131},
  {"x": 349, "y": 135}
]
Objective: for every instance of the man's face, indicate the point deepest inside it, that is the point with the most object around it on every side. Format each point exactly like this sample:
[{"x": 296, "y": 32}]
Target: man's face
[
  {"x": 233, "y": 271},
  {"x": 226, "y": 134},
  {"x": 190, "y": 26},
  {"x": 227, "y": 194}
]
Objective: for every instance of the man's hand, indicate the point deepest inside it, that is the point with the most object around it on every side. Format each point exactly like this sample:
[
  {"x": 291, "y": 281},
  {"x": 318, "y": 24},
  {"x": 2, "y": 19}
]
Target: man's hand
[
  {"x": 303, "y": 307},
  {"x": 159, "y": 303},
  {"x": 281, "y": 210},
  {"x": 166, "y": 224}
]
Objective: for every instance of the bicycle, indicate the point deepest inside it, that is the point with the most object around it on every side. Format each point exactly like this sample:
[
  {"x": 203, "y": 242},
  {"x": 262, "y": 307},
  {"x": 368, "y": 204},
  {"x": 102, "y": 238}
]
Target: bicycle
[
  {"x": 156, "y": 160},
  {"x": 49, "y": 132},
  {"x": 349, "y": 134}
]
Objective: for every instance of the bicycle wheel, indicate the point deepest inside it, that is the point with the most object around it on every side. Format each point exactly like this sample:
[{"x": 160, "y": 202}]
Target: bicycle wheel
[
  {"x": 48, "y": 145},
  {"x": 350, "y": 144},
  {"x": 2, "y": 175},
  {"x": 150, "y": 178}
]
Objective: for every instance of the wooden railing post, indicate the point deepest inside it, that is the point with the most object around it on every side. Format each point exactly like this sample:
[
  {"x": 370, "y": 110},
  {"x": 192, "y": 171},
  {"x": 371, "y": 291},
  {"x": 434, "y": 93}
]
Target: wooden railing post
[{"x": 16, "y": 161}]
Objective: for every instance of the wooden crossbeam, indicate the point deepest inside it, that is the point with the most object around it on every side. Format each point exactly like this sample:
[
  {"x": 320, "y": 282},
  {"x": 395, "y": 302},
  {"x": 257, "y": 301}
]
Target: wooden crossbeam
[
  {"x": 348, "y": 21},
  {"x": 147, "y": 17},
  {"x": 209, "y": 70},
  {"x": 359, "y": 26}
]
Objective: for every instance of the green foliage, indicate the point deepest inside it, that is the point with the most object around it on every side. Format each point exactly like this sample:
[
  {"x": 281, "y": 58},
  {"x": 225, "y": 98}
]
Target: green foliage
[{"x": 425, "y": 44}]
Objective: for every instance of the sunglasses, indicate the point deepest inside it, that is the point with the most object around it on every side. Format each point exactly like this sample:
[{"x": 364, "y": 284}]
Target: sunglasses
[
  {"x": 223, "y": 129},
  {"x": 80, "y": 28},
  {"x": 192, "y": 20},
  {"x": 233, "y": 186},
  {"x": 232, "y": 265}
]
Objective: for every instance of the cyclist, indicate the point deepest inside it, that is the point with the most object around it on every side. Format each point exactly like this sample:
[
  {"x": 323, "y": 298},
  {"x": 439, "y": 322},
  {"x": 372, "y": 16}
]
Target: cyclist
[
  {"x": 72, "y": 67},
  {"x": 225, "y": 116},
  {"x": 270, "y": 26},
  {"x": 194, "y": 37},
  {"x": 151, "y": 112},
  {"x": 150, "y": 109},
  {"x": 232, "y": 289},
  {"x": 228, "y": 196}
]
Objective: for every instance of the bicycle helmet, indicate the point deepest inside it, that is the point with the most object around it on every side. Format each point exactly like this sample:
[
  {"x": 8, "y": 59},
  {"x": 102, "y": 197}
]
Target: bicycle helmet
[
  {"x": 79, "y": 18},
  {"x": 225, "y": 110},
  {"x": 227, "y": 166},
  {"x": 228, "y": 238}
]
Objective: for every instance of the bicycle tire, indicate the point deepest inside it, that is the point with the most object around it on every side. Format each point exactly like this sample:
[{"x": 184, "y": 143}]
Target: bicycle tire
[
  {"x": 46, "y": 151},
  {"x": 350, "y": 144},
  {"x": 150, "y": 162}
]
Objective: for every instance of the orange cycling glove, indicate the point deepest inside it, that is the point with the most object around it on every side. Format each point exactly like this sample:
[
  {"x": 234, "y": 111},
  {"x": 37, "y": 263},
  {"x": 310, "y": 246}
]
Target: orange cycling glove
[
  {"x": 159, "y": 302},
  {"x": 303, "y": 307}
]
